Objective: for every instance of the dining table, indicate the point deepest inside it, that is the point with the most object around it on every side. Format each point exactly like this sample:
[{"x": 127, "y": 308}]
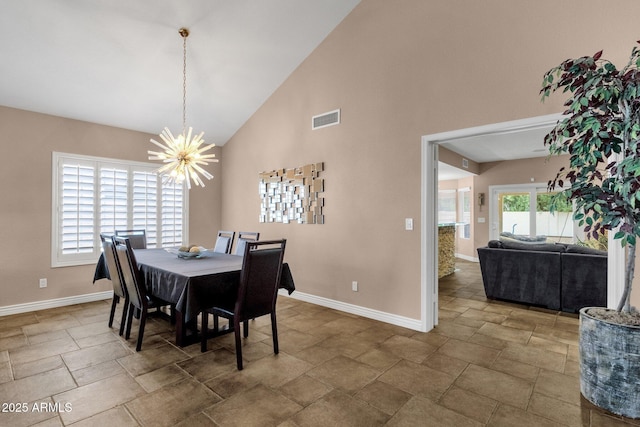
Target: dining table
[{"x": 192, "y": 283}]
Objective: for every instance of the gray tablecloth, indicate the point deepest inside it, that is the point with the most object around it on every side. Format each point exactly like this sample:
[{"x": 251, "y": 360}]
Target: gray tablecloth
[{"x": 192, "y": 284}]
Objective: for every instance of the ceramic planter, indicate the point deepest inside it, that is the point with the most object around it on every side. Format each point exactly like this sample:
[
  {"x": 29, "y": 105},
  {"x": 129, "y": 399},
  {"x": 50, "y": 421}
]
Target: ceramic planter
[{"x": 610, "y": 365}]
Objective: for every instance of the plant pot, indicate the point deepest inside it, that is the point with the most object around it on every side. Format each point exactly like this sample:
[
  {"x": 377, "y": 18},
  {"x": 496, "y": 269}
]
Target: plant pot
[{"x": 610, "y": 365}]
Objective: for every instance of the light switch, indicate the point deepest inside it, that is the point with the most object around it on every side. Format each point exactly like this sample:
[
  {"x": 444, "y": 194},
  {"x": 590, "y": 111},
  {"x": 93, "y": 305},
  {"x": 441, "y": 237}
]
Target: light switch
[{"x": 408, "y": 223}]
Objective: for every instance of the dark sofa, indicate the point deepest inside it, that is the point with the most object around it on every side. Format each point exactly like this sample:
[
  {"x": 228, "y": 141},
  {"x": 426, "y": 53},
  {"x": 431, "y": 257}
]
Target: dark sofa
[{"x": 554, "y": 276}]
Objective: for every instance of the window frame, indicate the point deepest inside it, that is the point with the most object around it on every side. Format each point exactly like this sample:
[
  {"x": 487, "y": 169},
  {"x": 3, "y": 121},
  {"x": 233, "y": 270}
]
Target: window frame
[{"x": 58, "y": 259}]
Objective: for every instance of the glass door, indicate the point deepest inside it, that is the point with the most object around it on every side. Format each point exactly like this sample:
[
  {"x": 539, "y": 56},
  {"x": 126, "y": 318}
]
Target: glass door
[
  {"x": 525, "y": 210},
  {"x": 514, "y": 213}
]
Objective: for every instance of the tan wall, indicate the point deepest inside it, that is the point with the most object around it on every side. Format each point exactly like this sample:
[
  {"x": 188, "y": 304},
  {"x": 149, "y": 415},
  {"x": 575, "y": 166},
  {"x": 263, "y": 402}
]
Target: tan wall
[
  {"x": 400, "y": 70},
  {"x": 27, "y": 140}
]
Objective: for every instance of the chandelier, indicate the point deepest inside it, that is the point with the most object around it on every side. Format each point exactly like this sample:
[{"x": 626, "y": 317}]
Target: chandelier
[{"x": 183, "y": 156}]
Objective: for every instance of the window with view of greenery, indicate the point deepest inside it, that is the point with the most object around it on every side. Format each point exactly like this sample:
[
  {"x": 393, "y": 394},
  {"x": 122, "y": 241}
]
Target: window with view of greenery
[{"x": 520, "y": 203}]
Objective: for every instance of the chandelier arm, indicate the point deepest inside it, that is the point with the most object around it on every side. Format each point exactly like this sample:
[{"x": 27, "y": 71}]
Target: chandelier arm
[
  {"x": 202, "y": 171},
  {"x": 205, "y": 148},
  {"x": 153, "y": 141}
]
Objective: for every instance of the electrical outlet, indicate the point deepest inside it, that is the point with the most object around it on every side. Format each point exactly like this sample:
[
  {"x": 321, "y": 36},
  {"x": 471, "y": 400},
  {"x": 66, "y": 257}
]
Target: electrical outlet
[
  {"x": 43, "y": 283},
  {"x": 354, "y": 286}
]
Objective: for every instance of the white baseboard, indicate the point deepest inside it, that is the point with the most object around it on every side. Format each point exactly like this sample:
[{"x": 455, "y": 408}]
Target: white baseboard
[
  {"x": 467, "y": 258},
  {"x": 53, "y": 303},
  {"x": 382, "y": 316}
]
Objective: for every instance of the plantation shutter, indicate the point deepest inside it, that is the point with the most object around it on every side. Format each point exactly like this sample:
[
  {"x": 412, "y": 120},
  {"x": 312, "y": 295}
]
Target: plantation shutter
[
  {"x": 172, "y": 200},
  {"x": 77, "y": 209},
  {"x": 113, "y": 199},
  {"x": 145, "y": 201}
]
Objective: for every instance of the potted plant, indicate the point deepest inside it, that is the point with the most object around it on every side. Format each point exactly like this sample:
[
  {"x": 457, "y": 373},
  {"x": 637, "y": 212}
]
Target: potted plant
[{"x": 600, "y": 131}]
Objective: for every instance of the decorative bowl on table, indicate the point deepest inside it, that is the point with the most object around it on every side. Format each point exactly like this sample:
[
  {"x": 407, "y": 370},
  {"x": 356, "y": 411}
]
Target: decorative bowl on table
[{"x": 192, "y": 251}]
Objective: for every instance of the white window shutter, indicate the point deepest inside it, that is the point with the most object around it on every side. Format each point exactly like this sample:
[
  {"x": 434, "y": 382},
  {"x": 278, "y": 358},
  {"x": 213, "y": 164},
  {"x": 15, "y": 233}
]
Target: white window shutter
[
  {"x": 145, "y": 201},
  {"x": 113, "y": 199},
  {"x": 171, "y": 210},
  {"x": 76, "y": 232}
]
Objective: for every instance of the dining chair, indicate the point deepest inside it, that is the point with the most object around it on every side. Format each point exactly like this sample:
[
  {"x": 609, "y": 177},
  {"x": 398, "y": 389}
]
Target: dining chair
[
  {"x": 137, "y": 238},
  {"x": 224, "y": 242},
  {"x": 257, "y": 293},
  {"x": 243, "y": 238},
  {"x": 139, "y": 299},
  {"x": 115, "y": 274}
]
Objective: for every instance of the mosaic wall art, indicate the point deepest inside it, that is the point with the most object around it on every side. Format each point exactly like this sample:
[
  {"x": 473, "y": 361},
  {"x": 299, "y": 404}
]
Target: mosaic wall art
[{"x": 292, "y": 195}]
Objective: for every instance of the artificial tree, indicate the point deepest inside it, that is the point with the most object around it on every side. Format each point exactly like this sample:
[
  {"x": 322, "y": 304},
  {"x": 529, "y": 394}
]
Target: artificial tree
[{"x": 600, "y": 131}]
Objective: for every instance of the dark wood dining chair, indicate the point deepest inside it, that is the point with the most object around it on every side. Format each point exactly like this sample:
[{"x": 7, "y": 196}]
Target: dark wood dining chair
[
  {"x": 245, "y": 237},
  {"x": 257, "y": 293},
  {"x": 224, "y": 242},
  {"x": 115, "y": 274},
  {"x": 139, "y": 299},
  {"x": 137, "y": 238}
]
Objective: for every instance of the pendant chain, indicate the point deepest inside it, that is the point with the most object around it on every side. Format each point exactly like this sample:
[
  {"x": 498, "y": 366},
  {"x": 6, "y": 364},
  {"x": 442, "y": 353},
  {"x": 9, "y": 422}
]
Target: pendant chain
[{"x": 184, "y": 86}]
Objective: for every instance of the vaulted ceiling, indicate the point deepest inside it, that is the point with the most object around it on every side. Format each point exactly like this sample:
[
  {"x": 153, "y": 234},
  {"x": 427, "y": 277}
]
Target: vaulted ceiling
[{"x": 119, "y": 62}]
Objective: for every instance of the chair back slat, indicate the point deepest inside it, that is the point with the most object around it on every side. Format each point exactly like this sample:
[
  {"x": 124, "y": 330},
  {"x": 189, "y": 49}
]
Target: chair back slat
[
  {"x": 130, "y": 272},
  {"x": 259, "y": 278}
]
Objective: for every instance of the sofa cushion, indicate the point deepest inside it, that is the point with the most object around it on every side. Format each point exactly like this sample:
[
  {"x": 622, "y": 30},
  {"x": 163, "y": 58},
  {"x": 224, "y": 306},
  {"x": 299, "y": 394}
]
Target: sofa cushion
[
  {"x": 506, "y": 236},
  {"x": 543, "y": 247},
  {"x": 579, "y": 249}
]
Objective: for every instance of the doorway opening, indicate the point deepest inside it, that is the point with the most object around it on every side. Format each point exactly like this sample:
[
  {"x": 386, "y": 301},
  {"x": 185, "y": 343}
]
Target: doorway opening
[{"x": 429, "y": 194}]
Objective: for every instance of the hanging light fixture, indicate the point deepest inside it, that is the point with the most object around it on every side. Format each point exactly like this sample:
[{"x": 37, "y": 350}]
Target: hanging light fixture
[{"x": 183, "y": 156}]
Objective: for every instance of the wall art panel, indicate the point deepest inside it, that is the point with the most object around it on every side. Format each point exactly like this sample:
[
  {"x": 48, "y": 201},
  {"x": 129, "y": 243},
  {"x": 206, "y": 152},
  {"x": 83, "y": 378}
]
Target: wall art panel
[{"x": 292, "y": 195}]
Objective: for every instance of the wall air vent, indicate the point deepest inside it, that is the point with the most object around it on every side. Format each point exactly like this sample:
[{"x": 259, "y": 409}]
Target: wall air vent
[{"x": 325, "y": 119}]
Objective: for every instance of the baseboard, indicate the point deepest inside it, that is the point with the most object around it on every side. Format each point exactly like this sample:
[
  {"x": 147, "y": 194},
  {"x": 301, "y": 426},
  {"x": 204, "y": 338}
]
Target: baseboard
[
  {"x": 382, "y": 316},
  {"x": 467, "y": 258},
  {"x": 53, "y": 303}
]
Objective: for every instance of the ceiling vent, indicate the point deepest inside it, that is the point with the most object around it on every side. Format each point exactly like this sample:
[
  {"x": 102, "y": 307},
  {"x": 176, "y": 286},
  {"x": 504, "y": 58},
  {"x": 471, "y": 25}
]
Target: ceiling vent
[{"x": 325, "y": 119}]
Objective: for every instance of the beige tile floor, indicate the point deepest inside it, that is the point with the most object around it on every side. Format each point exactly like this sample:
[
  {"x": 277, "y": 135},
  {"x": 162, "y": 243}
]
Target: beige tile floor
[{"x": 486, "y": 364}]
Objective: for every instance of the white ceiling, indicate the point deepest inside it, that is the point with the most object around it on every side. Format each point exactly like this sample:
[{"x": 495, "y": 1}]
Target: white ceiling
[
  {"x": 490, "y": 147},
  {"x": 500, "y": 145},
  {"x": 119, "y": 62}
]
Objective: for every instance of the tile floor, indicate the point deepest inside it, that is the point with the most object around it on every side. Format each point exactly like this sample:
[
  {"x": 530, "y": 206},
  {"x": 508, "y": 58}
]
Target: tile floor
[{"x": 486, "y": 364}]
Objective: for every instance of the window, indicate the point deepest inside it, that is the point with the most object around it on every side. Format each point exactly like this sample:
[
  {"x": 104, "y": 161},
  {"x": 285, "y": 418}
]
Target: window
[
  {"x": 93, "y": 195},
  {"x": 446, "y": 206},
  {"x": 464, "y": 216},
  {"x": 524, "y": 210}
]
